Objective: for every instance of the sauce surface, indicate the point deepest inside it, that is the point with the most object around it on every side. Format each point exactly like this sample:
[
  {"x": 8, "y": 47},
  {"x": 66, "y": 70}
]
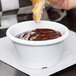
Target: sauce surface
[{"x": 40, "y": 35}]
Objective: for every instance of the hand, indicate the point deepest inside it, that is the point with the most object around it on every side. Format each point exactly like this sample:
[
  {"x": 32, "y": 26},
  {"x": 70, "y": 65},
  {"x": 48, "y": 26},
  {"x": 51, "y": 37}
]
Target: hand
[{"x": 59, "y": 4}]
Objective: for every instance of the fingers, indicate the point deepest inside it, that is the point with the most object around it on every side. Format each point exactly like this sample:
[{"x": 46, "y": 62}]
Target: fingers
[
  {"x": 47, "y": 4},
  {"x": 57, "y": 4}
]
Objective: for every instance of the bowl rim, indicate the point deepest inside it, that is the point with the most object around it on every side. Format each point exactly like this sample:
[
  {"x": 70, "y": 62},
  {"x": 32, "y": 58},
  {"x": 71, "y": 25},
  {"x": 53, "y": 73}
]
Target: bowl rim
[{"x": 37, "y": 43}]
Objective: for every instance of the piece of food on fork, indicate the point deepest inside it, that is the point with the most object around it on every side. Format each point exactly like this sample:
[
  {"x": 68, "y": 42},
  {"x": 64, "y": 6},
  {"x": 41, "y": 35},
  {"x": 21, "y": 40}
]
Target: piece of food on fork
[{"x": 39, "y": 5}]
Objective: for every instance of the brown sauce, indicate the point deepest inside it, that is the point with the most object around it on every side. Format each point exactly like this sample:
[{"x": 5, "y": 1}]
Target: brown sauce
[{"x": 40, "y": 35}]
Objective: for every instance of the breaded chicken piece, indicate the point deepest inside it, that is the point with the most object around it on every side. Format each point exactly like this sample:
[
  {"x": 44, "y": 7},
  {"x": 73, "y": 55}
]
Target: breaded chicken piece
[{"x": 39, "y": 5}]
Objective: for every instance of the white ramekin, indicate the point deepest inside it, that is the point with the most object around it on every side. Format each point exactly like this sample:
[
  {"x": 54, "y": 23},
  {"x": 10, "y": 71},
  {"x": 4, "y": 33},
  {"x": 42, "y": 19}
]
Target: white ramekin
[{"x": 38, "y": 54}]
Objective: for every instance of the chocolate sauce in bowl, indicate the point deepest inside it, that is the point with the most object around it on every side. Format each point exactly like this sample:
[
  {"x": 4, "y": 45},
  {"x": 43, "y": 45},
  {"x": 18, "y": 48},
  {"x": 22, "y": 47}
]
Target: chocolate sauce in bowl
[{"x": 39, "y": 35}]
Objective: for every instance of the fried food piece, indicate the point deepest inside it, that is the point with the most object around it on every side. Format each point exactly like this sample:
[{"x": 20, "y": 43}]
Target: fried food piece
[{"x": 39, "y": 5}]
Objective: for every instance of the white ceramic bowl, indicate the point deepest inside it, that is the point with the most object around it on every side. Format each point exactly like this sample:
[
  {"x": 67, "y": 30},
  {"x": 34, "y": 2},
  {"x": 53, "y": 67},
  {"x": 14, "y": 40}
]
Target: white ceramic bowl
[{"x": 38, "y": 54}]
